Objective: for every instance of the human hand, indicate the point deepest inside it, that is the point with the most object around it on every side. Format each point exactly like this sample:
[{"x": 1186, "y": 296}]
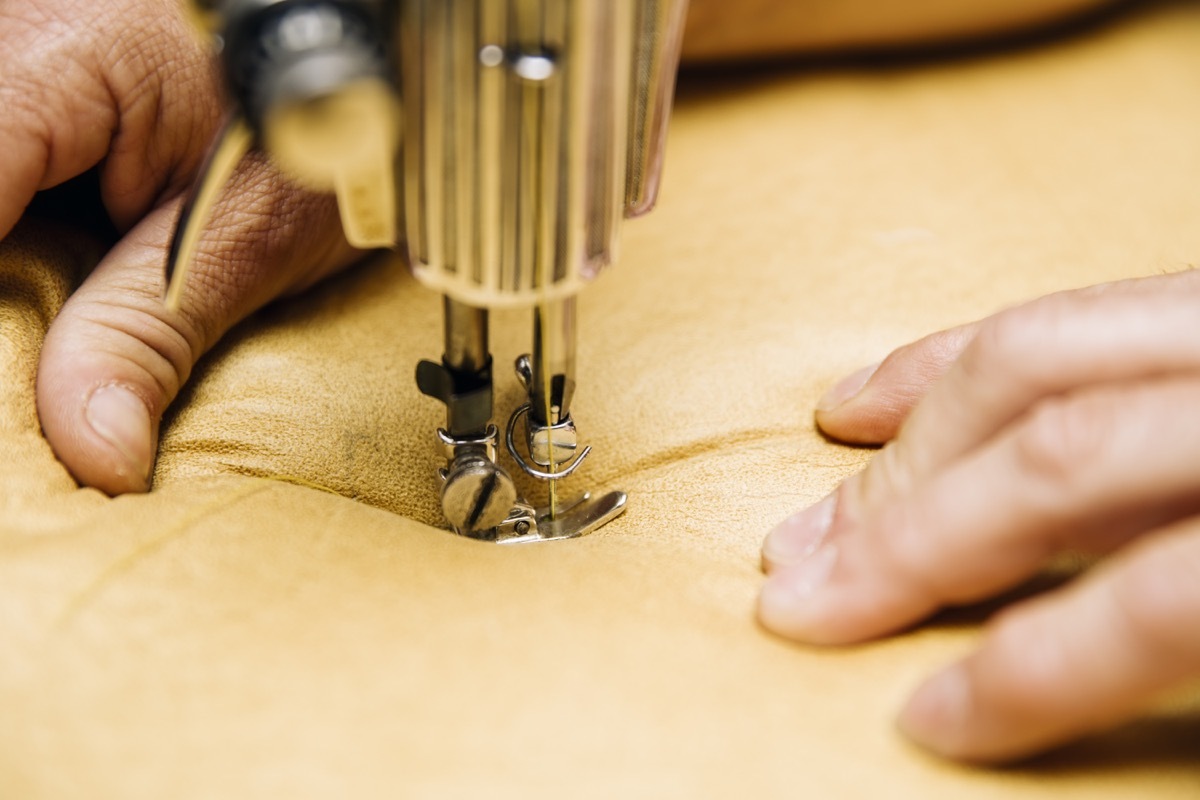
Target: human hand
[
  {"x": 1065, "y": 424},
  {"x": 128, "y": 85}
]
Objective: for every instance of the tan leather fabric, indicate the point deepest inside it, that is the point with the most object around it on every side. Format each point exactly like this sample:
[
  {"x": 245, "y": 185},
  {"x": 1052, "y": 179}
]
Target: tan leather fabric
[{"x": 241, "y": 633}]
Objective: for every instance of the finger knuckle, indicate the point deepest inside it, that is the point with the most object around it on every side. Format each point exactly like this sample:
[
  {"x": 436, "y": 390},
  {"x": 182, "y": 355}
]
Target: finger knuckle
[
  {"x": 131, "y": 327},
  {"x": 913, "y": 368},
  {"x": 910, "y": 550},
  {"x": 1159, "y": 599},
  {"x": 1063, "y": 436},
  {"x": 1000, "y": 345},
  {"x": 1026, "y": 662},
  {"x": 945, "y": 346},
  {"x": 890, "y": 474},
  {"x": 23, "y": 95},
  {"x": 1012, "y": 343}
]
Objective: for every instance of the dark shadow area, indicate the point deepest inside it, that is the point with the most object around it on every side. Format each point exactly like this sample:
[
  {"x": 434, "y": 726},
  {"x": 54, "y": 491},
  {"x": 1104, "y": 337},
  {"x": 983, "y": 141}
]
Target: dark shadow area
[
  {"x": 78, "y": 203},
  {"x": 976, "y": 614},
  {"x": 701, "y": 81},
  {"x": 1154, "y": 742},
  {"x": 828, "y": 439}
]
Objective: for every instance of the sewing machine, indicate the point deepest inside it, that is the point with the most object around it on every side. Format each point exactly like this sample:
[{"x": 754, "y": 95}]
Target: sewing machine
[{"x": 502, "y": 142}]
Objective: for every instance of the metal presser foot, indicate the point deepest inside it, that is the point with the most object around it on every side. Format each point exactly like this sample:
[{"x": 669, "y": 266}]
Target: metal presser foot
[{"x": 479, "y": 498}]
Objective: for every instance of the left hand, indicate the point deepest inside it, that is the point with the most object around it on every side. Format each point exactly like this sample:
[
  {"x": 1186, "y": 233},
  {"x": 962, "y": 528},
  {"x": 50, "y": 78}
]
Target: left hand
[
  {"x": 1069, "y": 423},
  {"x": 127, "y": 87}
]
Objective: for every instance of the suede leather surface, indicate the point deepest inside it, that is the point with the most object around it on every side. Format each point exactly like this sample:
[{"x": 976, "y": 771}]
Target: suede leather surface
[{"x": 281, "y": 617}]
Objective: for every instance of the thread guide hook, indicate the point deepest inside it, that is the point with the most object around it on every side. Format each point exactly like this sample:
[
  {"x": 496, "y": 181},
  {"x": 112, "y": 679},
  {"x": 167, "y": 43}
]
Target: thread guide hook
[
  {"x": 564, "y": 469},
  {"x": 232, "y": 144}
]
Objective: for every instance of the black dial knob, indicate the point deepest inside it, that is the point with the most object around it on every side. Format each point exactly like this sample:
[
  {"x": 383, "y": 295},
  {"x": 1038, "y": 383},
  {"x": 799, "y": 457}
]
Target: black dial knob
[
  {"x": 313, "y": 86},
  {"x": 314, "y": 82},
  {"x": 295, "y": 51}
]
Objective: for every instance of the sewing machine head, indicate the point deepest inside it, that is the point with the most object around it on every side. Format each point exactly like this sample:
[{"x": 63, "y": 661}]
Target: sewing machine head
[{"x": 502, "y": 142}]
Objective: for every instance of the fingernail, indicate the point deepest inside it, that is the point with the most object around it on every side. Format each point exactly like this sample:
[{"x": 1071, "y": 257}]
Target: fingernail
[
  {"x": 119, "y": 417},
  {"x": 798, "y": 536},
  {"x": 846, "y": 389},
  {"x": 786, "y": 603},
  {"x": 935, "y": 714}
]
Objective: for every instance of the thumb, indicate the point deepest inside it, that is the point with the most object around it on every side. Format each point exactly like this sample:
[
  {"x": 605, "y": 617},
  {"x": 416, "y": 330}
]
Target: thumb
[{"x": 115, "y": 358}]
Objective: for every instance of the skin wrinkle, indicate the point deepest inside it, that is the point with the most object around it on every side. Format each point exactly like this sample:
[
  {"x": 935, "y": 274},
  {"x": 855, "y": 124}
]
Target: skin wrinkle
[
  {"x": 1097, "y": 413},
  {"x": 126, "y": 205},
  {"x": 121, "y": 294},
  {"x": 172, "y": 153},
  {"x": 97, "y": 137},
  {"x": 275, "y": 234},
  {"x": 21, "y": 93},
  {"x": 190, "y": 322},
  {"x": 57, "y": 127},
  {"x": 41, "y": 26},
  {"x": 149, "y": 401},
  {"x": 178, "y": 364},
  {"x": 283, "y": 230}
]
